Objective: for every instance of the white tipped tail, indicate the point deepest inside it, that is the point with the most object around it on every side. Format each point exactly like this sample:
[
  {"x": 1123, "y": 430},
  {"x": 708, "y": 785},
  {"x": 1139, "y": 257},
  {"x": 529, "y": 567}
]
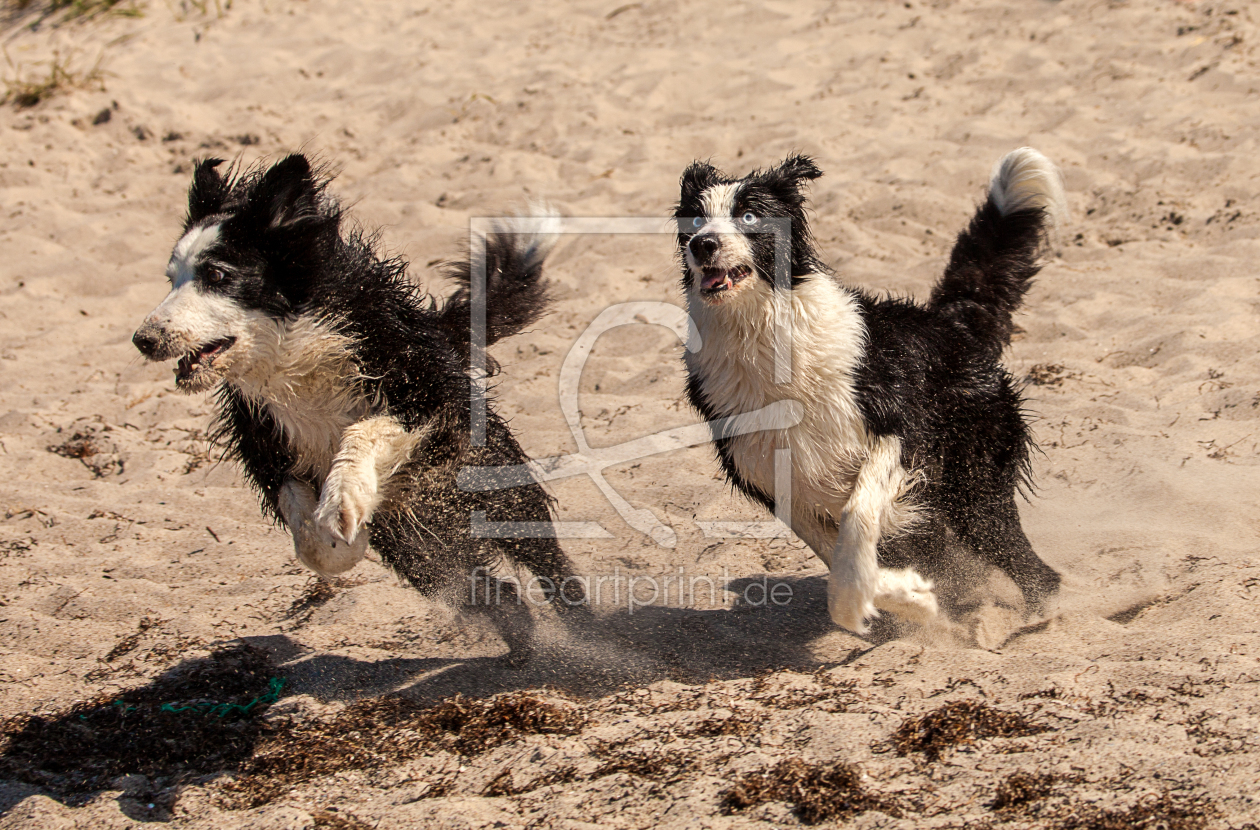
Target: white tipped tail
[
  {"x": 531, "y": 235},
  {"x": 509, "y": 259},
  {"x": 1025, "y": 179}
]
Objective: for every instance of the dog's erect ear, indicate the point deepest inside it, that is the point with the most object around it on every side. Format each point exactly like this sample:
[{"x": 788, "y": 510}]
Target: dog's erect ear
[
  {"x": 697, "y": 178},
  {"x": 800, "y": 167},
  {"x": 207, "y": 192},
  {"x": 285, "y": 195},
  {"x": 787, "y": 180}
]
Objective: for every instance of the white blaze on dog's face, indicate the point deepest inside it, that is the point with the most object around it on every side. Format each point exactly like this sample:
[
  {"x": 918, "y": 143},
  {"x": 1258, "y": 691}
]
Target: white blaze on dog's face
[
  {"x": 729, "y": 231},
  {"x": 238, "y": 274},
  {"x": 718, "y": 255},
  {"x": 199, "y": 321}
]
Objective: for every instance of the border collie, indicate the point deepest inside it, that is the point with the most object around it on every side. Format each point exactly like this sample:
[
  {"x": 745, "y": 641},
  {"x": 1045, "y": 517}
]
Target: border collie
[
  {"x": 913, "y": 430},
  {"x": 343, "y": 391}
]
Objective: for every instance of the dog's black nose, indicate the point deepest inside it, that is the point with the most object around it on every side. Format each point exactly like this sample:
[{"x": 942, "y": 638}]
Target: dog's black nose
[
  {"x": 145, "y": 339},
  {"x": 703, "y": 246}
]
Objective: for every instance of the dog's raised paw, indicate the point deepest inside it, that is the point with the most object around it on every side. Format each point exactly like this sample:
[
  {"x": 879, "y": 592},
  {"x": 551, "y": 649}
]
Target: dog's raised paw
[
  {"x": 345, "y": 507},
  {"x": 324, "y": 556},
  {"x": 328, "y": 559}
]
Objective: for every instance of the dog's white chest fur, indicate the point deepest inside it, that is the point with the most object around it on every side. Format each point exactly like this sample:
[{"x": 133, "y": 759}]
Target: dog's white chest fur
[
  {"x": 302, "y": 373},
  {"x": 736, "y": 371}
]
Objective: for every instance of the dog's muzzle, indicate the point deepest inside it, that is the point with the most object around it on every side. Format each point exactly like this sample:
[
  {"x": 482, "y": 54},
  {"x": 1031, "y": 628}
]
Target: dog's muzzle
[
  {"x": 705, "y": 250},
  {"x": 152, "y": 341}
]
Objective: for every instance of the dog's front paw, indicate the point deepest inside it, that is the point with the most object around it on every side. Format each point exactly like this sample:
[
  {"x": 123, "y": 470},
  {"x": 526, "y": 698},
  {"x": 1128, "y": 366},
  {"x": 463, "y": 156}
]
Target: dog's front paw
[
  {"x": 327, "y": 559},
  {"x": 849, "y": 606},
  {"x": 906, "y": 594},
  {"x": 297, "y": 505},
  {"x": 347, "y": 504}
]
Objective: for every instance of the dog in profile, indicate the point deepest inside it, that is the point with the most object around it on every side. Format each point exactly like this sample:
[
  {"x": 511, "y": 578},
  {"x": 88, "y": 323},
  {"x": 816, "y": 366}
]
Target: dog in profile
[
  {"x": 343, "y": 391},
  {"x": 912, "y": 429}
]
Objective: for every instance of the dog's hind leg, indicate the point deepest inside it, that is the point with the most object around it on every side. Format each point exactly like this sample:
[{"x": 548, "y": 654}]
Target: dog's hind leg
[
  {"x": 371, "y": 451},
  {"x": 858, "y": 585},
  {"x": 554, "y": 572},
  {"x": 500, "y": 603},
  {"x": 456, "y": 570},
  {"x": 993, "y": 530},
  {"x": 296, "y": 504}
]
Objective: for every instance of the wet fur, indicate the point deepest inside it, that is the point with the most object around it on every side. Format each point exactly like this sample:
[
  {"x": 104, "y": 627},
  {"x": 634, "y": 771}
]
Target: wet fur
[
  {"x": 344, "y": 396},
  {"x": 913, "y": 430}
]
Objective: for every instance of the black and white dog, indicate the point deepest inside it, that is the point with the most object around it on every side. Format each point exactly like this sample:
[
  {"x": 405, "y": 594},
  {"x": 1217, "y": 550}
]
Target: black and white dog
[
  {"x": 343, "y": 391},
  {"x": 912, "y": 429}
]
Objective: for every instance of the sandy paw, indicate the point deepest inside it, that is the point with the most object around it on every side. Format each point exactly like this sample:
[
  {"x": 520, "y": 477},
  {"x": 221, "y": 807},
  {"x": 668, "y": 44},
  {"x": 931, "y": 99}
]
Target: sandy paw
[
  {"x": 329, "y": 559},
  {"x": 908, "y": 595},
  {"x": 346, "y": 506},
  {"x": 326, "y": 557},
  {"x": 850, "y": 607}
]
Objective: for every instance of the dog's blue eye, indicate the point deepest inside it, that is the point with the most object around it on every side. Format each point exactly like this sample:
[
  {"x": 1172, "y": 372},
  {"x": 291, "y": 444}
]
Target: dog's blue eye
[
  {"x": 697, "y": 222},
  {"x": 749, "y": 218}
]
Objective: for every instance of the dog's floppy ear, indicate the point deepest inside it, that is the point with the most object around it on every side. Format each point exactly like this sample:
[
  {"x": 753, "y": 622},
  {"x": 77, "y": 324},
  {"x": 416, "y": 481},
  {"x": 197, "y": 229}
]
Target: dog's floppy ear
[
  {"x": 207, "y": 192},
  {"x": 285, "y": 195},
  {"x": 697, "y": 178}
]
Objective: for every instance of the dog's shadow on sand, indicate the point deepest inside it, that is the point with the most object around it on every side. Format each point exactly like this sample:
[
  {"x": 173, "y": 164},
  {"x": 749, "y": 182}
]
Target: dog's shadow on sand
[{"x": 615, "y": 650}]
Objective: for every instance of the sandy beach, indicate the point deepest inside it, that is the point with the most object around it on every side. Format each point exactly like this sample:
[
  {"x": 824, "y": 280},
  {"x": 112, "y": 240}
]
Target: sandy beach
[{"x": 136, "y": 571}]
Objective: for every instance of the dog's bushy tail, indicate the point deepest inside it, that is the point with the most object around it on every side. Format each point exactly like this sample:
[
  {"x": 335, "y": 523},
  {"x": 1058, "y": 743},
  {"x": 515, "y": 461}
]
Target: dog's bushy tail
[
  {"x": 515, "y": 291},
  {"x": 995, "y": 259}
]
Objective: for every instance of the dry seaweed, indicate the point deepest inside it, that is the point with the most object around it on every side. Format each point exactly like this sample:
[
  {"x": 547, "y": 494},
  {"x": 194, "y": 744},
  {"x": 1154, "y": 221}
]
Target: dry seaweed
[
  {"x": 316, "y": 593},
  {"x": 502, "y": 783},
  {"x": 128, "y": 643},
  {"x": 739, "y": 724},
  {"x": 652, "y": 765},
  {"x": 1158, "y": 811},
  {"x": 201, "y": 718},
  {"x": 470, "y": 727},
  {"x": 332, "y": 819},
  {"x": 86, "y": 447},
  {"x": 384, "y": 732},
  {"x": 842, "y": 692},
  {"x": 960, "y": 722},
  {"x": 818, "y": 792},
  {"x": 1021, "y": 788},
  {"x": 1049, "y": 374}
]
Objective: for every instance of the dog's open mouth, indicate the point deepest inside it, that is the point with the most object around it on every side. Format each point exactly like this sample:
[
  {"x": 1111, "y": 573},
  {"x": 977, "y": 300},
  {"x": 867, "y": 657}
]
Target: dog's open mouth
[
  {"x": 200, "y": 358},
  {"x": 717, "y": 280}
]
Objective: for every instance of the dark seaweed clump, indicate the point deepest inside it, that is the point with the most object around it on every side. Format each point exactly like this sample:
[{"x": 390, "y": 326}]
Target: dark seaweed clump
[
  {"x": 1020, "y": 789},
  {"x": 960, "y": 722},
  {"x": 818, "y": 792},
  {"x": 385, "y": 732},
  {"x": 1162, "y": 811}
]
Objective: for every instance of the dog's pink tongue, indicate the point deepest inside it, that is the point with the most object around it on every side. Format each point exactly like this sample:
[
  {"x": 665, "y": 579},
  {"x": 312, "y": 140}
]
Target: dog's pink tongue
[{"x": 712, "y": 279}]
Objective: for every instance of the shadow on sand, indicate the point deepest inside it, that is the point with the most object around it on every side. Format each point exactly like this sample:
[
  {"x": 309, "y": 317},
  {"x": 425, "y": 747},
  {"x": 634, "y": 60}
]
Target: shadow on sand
[
  {"x": 204, "y": 715},
  {"x": 624, "y": 647}
]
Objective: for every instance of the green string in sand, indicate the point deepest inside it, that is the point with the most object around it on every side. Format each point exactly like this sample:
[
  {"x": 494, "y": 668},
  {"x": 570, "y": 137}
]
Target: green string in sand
[{"x": 220, "y": 710}]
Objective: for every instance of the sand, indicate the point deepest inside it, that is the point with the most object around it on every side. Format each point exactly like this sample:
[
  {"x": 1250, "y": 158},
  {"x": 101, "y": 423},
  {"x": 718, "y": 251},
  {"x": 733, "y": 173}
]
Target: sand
[{"x": 1139, "y": 343}]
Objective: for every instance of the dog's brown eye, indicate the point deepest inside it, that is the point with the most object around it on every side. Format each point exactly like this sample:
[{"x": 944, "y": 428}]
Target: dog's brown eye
[{"x": 215, "y": 276}]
